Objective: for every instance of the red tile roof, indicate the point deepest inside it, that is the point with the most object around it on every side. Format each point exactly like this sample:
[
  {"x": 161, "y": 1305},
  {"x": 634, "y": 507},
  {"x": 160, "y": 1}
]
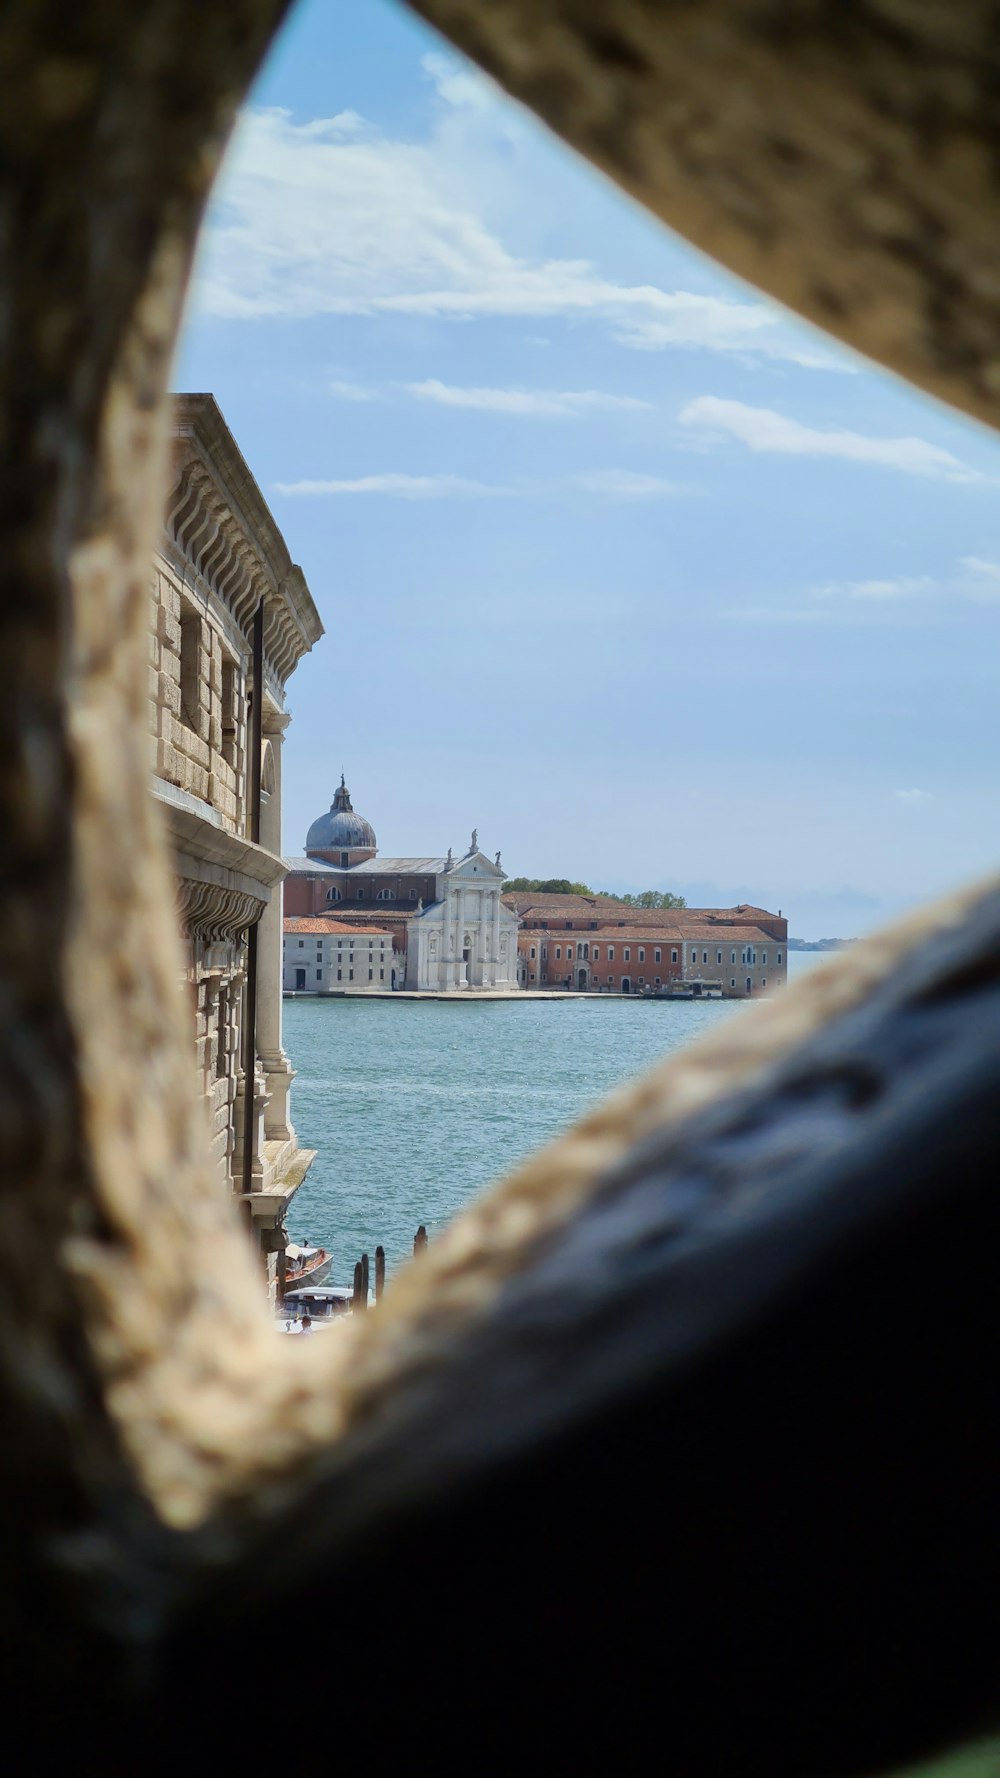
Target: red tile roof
[
  {"x": 615, "y": 914},
  {"x": 697, "y": 932},
  {"x": 320, "y": 924}
]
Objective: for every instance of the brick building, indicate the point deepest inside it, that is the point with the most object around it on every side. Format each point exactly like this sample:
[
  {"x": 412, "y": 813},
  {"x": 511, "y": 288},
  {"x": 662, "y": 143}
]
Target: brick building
[{"x": 595, "y": 944}]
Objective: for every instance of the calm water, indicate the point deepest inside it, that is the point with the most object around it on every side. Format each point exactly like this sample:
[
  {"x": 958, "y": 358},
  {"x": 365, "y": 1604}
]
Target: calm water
[{"x": 414, "y": 1105}]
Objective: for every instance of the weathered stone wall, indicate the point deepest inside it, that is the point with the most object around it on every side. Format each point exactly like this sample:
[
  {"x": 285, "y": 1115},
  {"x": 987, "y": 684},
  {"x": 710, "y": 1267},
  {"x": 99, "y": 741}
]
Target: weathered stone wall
[{"x": 198, "y": 669}]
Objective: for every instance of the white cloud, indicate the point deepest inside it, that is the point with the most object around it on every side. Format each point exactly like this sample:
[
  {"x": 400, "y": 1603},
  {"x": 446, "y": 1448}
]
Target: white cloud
[
  {"x": 401, "y": 487},
  {"x": 905, "y": 587},
  {"x": 984, "y": 586},
  {"x": 332, "y": 217},
  {"x": 978, "y": 566},
  {"x": 522, "y": 401},
  {"x": 912, "y": 797},
  {"x": 721, "y": 325},
  {"x": 354, "y": 392},
  {"x": 608, "y": 484},
  {"x": 459, "y": 83},
  {"x": 763, "y": 430},
  {"x": 626, "y": 484}
]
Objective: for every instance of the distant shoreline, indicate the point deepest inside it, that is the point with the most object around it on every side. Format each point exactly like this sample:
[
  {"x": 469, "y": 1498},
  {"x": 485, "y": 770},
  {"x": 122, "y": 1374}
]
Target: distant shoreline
[{"x": 820, "y": 944}]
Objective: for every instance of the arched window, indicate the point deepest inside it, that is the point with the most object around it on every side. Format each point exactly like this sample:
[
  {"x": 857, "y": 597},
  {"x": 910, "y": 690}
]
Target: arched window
[
  {"x": 267, "y": 772},
  {"x": 334, "y": 895},
  {"x": 384, "y": 895}
]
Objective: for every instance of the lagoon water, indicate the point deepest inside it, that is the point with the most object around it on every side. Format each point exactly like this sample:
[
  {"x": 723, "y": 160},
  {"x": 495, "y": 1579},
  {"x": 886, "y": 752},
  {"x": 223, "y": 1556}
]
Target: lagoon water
[{"x": 414, "y": 1105}]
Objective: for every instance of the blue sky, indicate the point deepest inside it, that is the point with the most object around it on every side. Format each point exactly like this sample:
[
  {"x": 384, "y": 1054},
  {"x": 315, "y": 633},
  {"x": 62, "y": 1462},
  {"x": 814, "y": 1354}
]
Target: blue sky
[{"x": 618, "y": 562}]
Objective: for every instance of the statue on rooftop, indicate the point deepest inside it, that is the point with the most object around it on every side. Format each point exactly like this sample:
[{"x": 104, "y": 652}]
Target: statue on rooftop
[{"x": 475, "y": 840}]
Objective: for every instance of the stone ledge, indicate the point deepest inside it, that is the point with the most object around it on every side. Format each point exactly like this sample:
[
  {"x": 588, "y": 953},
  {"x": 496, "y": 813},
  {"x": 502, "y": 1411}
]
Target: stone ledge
[
  {"x": 269, "y": 1207},
  {"x": 206, "y": 847}
]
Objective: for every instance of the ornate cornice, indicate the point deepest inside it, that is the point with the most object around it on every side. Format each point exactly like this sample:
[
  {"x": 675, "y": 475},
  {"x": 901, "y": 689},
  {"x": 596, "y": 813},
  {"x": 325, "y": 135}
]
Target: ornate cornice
[
  {"x": 222, "y": 535},
  {"x": 216, "y": 913}
]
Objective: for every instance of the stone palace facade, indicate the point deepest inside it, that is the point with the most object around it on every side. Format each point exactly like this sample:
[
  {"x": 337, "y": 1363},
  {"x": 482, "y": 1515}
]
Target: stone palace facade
[{"x": 220, "y": 557}]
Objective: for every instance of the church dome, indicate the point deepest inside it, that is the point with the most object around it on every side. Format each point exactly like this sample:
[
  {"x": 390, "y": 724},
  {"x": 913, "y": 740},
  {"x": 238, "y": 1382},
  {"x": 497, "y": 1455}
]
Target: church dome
[{"x": 341, "y": 828}]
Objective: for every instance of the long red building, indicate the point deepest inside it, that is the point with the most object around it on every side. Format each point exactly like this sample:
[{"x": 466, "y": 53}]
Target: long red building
[{"x": 594, "y": 944}]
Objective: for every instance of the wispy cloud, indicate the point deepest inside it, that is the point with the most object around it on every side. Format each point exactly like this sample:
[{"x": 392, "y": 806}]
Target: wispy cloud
[
  {"x": 905, "y": 587},
  {"x": 984, "y": 583},
  {"x": 913, "y": 797},
  {"x": 335, "y": 217},
  {"x": 399, "y": 487},
  {"x": 764, "y": 431},
  {"x": 718, "y": 324},
  {"x": 606, "y": 484},
  {"x": 460, "y": 84},
  {"x": 627, "y": 484},
  {"x": 354, "y": 392},
  {"x": 904, "y": 599},
  {"x": 544, "y": 402}
]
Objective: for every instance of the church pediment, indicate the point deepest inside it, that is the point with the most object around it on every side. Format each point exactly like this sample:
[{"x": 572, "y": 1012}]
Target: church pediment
[{"x": 477, "y": 868}]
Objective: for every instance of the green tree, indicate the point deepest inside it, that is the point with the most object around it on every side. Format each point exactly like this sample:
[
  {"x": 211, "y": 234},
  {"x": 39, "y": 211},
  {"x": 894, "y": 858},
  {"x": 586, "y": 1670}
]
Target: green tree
[
  {"x": 650, "y": 898},
  {"x": 545, "y": 886}
]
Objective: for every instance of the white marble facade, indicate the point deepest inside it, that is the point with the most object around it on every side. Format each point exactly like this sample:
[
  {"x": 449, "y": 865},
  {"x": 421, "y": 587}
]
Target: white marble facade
[{"x": 465, "y": 938}]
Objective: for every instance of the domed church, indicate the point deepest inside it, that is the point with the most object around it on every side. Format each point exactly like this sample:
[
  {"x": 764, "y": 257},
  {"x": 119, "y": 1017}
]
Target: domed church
[
  {"x": 341, "y": 837},
  {"x": 445, "y": 913}
]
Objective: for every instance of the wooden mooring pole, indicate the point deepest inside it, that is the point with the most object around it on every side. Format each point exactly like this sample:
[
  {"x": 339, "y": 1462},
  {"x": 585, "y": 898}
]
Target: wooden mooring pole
[
  {"x": 359, "y": 1300},
  {"x": 420, "y": 1239},
  {"x": 379, "y": 1272}
]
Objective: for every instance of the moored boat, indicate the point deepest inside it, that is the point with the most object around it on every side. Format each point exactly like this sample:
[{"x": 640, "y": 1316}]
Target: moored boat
[
  {"x": 314, "y": 1306},
  {"x": 305, "y": 1265}
]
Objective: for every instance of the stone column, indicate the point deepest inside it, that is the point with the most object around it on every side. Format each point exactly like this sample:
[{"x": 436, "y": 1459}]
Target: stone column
[
  {"x": 445, "y": 971},
  {"x": 451, "y": 973},
  {"x": 460, "y": 938},
  {"x": 277, "y": 1068},
  {"x": 483, "y": 940},
  {"x": 495, "y": 937}
]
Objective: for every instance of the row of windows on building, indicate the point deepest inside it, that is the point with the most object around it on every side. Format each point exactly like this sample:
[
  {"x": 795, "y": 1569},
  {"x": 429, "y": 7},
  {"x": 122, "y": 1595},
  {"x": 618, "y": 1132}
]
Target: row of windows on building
[
  {"x": 746, "y": 956},
  {"x": 350, "y": 975},
  {"x": 380, "y": 895},
  {"x": 340, "y": 944},
  {"x": 350, "y": 948}
]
